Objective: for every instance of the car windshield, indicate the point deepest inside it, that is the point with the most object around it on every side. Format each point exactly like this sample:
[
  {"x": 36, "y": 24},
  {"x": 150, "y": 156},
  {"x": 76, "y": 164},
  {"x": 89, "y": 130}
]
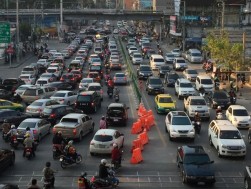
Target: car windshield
[
  {"x": 170, "y": 55},
  {"x": 155, "y": 81},
  {"x": 220, "y": 95},
  {"x": 186, "y": 85},
  {"x": 27, "y": 124},
  {"x": 137, "y": 56},
  {"x": 145, "y": 68},
  {"x": 181, "y": 121},
  {"x": 47, "y": 110},
  {"x": 192, "y": 72},
  {"x": 206, "y": 81},
  {"x": 159, "y": 60},
  {"x": 87, "y": 81},
  {"x": 95, "y": 68},
  {"x": 230, "y": 135},
  {"x": 165, "y": 68},
  {"x": 173, "y": 76},
  {"x": 165, "y": 100},
  {"x": 36, "y": 104},
  {"x": 71, "y": 120},
  {"x": 103, "y": 138},
  {"x": 198, "y": 102},
  {"x": 83, "y": 98},
  {"x": 9, "y": 82},
  {"x": 94, "y": 88},
  {"x": 196, "y": 159},
  {"x": 196, "y": 54},
  {"x": 120, "y": 75},
  {"x": 181, "y": 61},
  {"x": 59, "y": 95},
  {"x": 240, "y": 112},
  {"x": 116, "y": 111}
]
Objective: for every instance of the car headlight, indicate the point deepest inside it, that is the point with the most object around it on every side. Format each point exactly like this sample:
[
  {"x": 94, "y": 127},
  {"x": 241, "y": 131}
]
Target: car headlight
[
  {"x": 243, "y": 147},
  {"x": 173, "y": 130},
  {"x": 224, "y": 146},
  {"x": 150, "y": 87}
]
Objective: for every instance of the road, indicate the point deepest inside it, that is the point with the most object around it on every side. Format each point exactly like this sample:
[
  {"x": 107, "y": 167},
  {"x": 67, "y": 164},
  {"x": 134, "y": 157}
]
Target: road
[{"x": 158, "y": 169}]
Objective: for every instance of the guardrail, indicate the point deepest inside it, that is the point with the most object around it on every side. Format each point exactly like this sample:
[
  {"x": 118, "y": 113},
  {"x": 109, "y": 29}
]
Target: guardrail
[{"x": 132, "y": 74}]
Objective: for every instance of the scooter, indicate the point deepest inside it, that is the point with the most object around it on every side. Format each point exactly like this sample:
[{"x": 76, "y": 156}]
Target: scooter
[
  {"x": 116, "y": 97},
  {"x": 97, "y": 182},
  {"x": 28, "y": 153},
  {"x": 233, "y": 100},
  {"x": 14, "y": 141},
  {"x": 6, "y": 137},
  {"x": 220, "y": 116},
  {"x": 68, "y": 161},
  {"x": 47, "y": 184},
  {"x": 57, "y": 151},
  {"x": 197, "y": 126},
  {"x": 110, "y": 92}
]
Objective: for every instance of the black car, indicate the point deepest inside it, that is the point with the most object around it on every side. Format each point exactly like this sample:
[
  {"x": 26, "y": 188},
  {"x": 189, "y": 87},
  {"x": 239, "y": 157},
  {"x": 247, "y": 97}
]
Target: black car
[
  {"x": 9, "y": 186},
  {"x": 195, "y": 165},
  {"x": 61, "y": 86},
  {"x": 154, "y": 85},
  {"x": 68, "y": 78},
  {"x": 144, "y": 71},
  {"x": 163, "y": 70},
  {"x": 149, "y": 53},
  {"x": 116, "y": 114},
  {"x": 5, "y": 94},
  {"x": 56, "y": 112},
  {"x": 170, "y": 78},
  {"x": 88, "y": 101},
  {"x": 11, "y": 84},
  {"x": 15, "y": 117},
  {"x": 7, "y": 158},
  {"x": 219, "y": 98}
]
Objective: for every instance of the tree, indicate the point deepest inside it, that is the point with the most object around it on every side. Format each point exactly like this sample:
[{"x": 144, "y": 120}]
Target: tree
[
  {"x": 227, "y": 54},
  {"x": 25, "y": 31}
]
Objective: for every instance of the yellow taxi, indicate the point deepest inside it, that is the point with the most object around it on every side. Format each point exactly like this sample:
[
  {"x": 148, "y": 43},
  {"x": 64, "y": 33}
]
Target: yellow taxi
[
  {"x": 5, "y": 104},
  {"x": 164, "y": 103}
]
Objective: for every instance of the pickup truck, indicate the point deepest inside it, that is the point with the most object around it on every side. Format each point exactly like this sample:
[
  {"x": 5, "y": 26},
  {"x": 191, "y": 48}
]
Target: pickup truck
[
  {"x": 198, "y": 104},
  {"x": 247, "y": 177},
  {"x": 75, "y": 126},
  {"x": 11, "y": 84}
]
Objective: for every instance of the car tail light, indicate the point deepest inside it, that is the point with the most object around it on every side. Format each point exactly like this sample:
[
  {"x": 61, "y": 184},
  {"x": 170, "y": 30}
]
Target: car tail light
[
  {"x": 52, "y": 115},
  {"x": 34, "y": 131},
  {"x": 92, "y": 104},
  {"x": 61, "y": 79},
  {"x": 74, "y": 131}
]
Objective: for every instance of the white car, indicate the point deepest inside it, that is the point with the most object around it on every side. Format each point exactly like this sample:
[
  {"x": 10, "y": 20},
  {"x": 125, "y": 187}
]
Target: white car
[
  {"x": 29, "y": 79},
  {"x": 58, "y": 55},
  {"x": 190, "y": 74},
  {"x": 96, "y": 87},
  {"x": 20, "y": 90},
  {"x": 64, "y": 97},
  {"x": 238, "y": 116},
  {"x": 103, "y": 140},
  {"x": 179, "y": 125},
  {"x": 43, "y": 81},
  {"x": 179, "y": 64},
  {"x": 183, "y": 88},
  {"x": 169, "y": 57},
  {"x": 52, "y": 52},
  {"x": 43, "y": 62},
  {"x": 137, "y": 58},
  {"x": 176, "y": 52},
  {"x": 54, "y": 70},
  {"x": 132, "y": 49},
  {"x": 115, "y": 31},
  {"x": 85, "y": 82}
]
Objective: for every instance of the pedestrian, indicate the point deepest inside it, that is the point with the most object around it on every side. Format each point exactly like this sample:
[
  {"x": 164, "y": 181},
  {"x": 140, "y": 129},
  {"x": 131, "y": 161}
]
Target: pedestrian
[
  {"x": 102, "y": 123},
  {"x": 34, "y": 184}
]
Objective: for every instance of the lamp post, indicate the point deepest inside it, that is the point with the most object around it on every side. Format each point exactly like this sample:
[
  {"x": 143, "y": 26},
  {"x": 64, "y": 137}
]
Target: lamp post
[
  {"x": 61, "y": 17},
  {"x": 17, "y": 30},
  {"x": 222, "y": 16},
  {"x": 183, "y": 26}
]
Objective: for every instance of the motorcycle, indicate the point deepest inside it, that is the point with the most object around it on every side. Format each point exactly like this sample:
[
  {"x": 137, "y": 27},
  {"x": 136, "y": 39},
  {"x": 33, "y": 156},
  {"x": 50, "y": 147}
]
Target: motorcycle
[
  {"x": 6, "y": 137},
  {"x": 14, "y": 142},
  {"x": 83, "y": 178},
  {"x": 233, "y": 100},
  {"x": 217, "y": 85},
  {"x": 47, "y": 184},
  {"x": 110, "y": 92},
  {"x": 97, "y": 182},
  {"x": 116, "y": 97},
  {"x": 197, "y": 126},
  {"x": 57, "y": 151},
  {"x": 220, "y": 116},
  {"x": 68, "y": 161},
  {"x": 28, "y": 153}
]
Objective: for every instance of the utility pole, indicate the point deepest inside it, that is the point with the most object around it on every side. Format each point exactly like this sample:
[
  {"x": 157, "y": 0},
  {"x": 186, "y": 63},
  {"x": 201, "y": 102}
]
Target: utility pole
[
  {"x": 61, "y": 18},
  {"x": 183, "y": 26},
  {"x": 17, "y": 30},
  {"x": 222, "y": 16}
]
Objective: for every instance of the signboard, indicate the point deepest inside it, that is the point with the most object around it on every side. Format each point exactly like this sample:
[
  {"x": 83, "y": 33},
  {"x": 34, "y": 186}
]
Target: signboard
[
  {"x": 10, "y": 50},
  {"x": 4, "y": 32}
]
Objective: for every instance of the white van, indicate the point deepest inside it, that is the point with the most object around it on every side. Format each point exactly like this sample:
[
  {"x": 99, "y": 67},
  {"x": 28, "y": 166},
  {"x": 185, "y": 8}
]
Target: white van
[
  {"x": 156, "y": 61},
  {"x": 194, "y": 56},
  {"x": 206, "y": 82}
]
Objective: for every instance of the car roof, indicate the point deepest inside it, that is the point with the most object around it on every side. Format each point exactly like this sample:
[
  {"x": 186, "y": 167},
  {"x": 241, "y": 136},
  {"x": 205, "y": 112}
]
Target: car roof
[
  {"x": 193, "y": 149},
  {"x": 73, "y": 115},
  {"x": 116, "y": 105},
  {"x": 43, "y": 100},
  {"x": 225, "y": 125},
  {"x": 204, "y": 77},
  {"x": 164, "y": 95},
  {"x": 87, "y": 92},
  {"x": 105, "y": 132},
  {"x": 237, "y": 107}
]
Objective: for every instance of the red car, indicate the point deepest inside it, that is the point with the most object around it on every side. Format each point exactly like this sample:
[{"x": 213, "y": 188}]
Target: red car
[
  {"x": 95, "y": 75},
  {"x": 77, "y": 74},
  {"x": 68, "y": 78}
]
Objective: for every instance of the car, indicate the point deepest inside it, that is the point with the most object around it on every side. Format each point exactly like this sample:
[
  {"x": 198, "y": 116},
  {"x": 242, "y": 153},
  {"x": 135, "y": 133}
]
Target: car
[
  {"x": 205, "y": 81},
  {"x": 6, "y": 95},
  {"x": 163, "y": 70},
  {"x": 176, "y": 52},
  {"x": 115, "y": 65},
  {"x": 75, "y": 65},
  {"x": 11, "y": 84},
  {"x": 96, "y": 87},
  {"x": 95, "y": 76},
  {"x": 64, "y": 97},
  {"x": 54, "y": 70},
  {"x": 150, "y": 52},
  {"x": 103, "y": 140},
  {"x": 20, "y": 90},
  {"x": 115, "y": 31},
  {"x": 169, "y": 57},
  {"x": 144, "y": 71},
  {"x": 219, "y": 98},
  {"x": 179, "y": 64},
  {"x": 28, "y": 79},
  {"x": 164, "y": 103},
  {"x": 7, "y": 159},
  {"x": 170, "y": 78},
  {"x": 154, "y": 85},
  {"x": 12, "y": 116},
  {"x": 226, "y": 139},
  {"x": 52, "y": 77},
  {"x": 132, "y": 49},
  {"x": 195, "y": 165},
  {"x": 68, "y": 78},
  {"x": 117, "y": 114},
  {"x": 58, "y": 85},
  {"x": 5, "y": 104},
  {"x": 190, "y": 74},
  {"x": 35, "y": 108},
  {"x": 88, "y": 101},
  {"x": 238, "y": 116},
  {"x": 66, "y": 54},
  {"x": 184, "y": 88},
  {"x": 43, "y": 62},
  {"x": 137, "y": 58},
  {"x": 78, "y": 74},
  {"x": 96, "y": 67},
  {"x": 54, "y": 113},
  {"x": 85, "y": 82},
  {"x": 42, "y": 82},
  {"x": 179, "y": 125},
  {"x": 39, "y": 127},
  {"x": 120, "y": 78}
]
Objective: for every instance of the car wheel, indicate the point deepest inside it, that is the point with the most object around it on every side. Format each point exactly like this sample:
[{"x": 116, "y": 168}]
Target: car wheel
[
  {"x": 170, "y": 138},
  {"x": 218, "y": 152},
  {"x": 92, "y": 154},
  {"x": 179, "y": 97},
  {"x": 166, "y": 129},
  {"x": 246, "y": 185},
  {"x": 184, "y": 179},
  {"x": 80, "y": 137},
  {"x": 210, "y": 141}
]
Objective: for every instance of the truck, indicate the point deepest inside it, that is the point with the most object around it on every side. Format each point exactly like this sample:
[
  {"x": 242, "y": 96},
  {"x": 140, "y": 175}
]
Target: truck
[
  {"x": 74, "y": 126},
  {"x": 198, "y": 104}
]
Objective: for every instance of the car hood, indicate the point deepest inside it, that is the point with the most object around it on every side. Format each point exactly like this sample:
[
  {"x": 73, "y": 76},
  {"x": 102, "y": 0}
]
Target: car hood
[
  {"x": 232, "y": 142},
  {"x": 242, "y": 118},
  {"x": 145, "y": 72},
  {"x": 156, "y": 86},
  {"x": 199, "y": 170},
  {"x": 187, "y": 89},
  {"x": 221, "y": 100}
]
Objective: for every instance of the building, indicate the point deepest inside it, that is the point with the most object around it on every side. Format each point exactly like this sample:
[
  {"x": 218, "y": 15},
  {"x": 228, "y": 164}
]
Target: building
[
  {"x": 159, "y": 5},
  {"x": 129, "y": 4}
]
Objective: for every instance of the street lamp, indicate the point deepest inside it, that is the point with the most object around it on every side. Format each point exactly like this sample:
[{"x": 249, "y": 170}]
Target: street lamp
[{"x": 183, "y": 25}]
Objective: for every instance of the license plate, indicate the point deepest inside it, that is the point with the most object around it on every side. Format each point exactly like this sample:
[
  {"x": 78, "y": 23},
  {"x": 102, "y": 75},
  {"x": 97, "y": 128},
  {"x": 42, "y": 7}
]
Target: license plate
[
  {"x": 115, "y": 120},
  {"x": 101, "y": 146},
  {"x": 54, "y": 150},
  {"x": 83, "y": 104},
  {"x": 183, "y": 135},
  {"x": 28, "y": 153},
  {"x": 61, "y": 159}
]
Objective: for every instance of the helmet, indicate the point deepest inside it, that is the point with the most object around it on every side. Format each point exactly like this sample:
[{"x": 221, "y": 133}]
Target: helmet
[
  {"x": 48, "y": 164},
  {"x": 70, "y": 142},
  {"x": 115, "y": 145},
  {"x": 196, "y": 113},
  {"x": 60, "y": 132},
  {"x": 28, "y": 129},
  {"x": 13, "y": 126},
  {"x": 219, "y": 107},
  {"x": 116, "y": 88},
  {"x": 104, "y": 161},
  {"x": 6, "y": 121},
  {"x": 103, "y": 117}
]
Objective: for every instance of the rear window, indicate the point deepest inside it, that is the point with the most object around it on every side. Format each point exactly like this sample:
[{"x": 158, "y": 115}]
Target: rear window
[
  {"x": 103, "y": 138},
  {"x": 36, "y": 104},
  {"x": 47, "y": 110},
  {"x": 9, "y": 82},
  {"x": 30, "y": 92},
  {"x": 71, "y": 120},
  {"x": 159, "y": 60},
  {"x": 94, "y": 88},
  {"x": 59, "y": 95},
  {"x": 116, "y": 112},
  {"x": 27, "y": 124},
  {"x": 83, "y": 98},
  {"x": 206, "y": 81},
  {"x": 95, "y": 68}
]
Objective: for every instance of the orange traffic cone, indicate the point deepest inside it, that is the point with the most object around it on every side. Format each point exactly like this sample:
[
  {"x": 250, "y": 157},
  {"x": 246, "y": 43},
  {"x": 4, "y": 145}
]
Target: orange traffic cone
[
  {"x": 143, "y": 137},
  {"x": 141, "y": 107},
  {"x": 137, "y": 144},
  {"x": 136, "y": 127},
  {"x": 136, "y": 156},
  {"x": 151, "y": 120},
  {"x": 149, "y": 112}
]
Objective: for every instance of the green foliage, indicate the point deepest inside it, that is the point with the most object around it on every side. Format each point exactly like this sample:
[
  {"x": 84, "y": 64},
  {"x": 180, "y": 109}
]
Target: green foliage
[
  {"x": 25, "y": 31},
  {"x": 227, "y": 54}
]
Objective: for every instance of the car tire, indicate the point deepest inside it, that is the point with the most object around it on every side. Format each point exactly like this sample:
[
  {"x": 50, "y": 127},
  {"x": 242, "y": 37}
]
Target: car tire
[
  {"x": 210, "y": 141},
  {"x": 218, "y": 152},
  {"x": 179, "y": 97},
  {"x": 184, "y": 180}
]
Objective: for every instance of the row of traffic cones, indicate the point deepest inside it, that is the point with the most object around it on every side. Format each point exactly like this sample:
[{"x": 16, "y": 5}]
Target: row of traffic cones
[{"x": 141, "y": 127}]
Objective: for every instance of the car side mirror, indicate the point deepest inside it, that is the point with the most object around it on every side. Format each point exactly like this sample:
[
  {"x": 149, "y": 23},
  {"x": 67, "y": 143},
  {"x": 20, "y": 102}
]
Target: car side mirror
[{"x": 211, "y": 161}]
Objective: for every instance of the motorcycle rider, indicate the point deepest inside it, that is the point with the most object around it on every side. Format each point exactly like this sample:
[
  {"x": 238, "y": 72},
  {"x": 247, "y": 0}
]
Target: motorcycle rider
[
  {"x": 28, "y": 131},
  {"x": 6, "y": 126},
  {"x": 218, "y": 110},
  {"x": 49, "y": 174},
  {"x": 59, "y": 141},
  {"x": 28, "y": 143},
  {"x": 116, "y": 154},
  {"x": 12, "y": 132},
  {"x": 70, "y": 151},
  {"x": 102, "y": 123},
  {"x": 116, "y": 91},
  {"x": 110, "y": 83},
  {"x": 103, "y": 170},
  {"x": 202, "y": 90},
  {"x": 196, "y": 117}
]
